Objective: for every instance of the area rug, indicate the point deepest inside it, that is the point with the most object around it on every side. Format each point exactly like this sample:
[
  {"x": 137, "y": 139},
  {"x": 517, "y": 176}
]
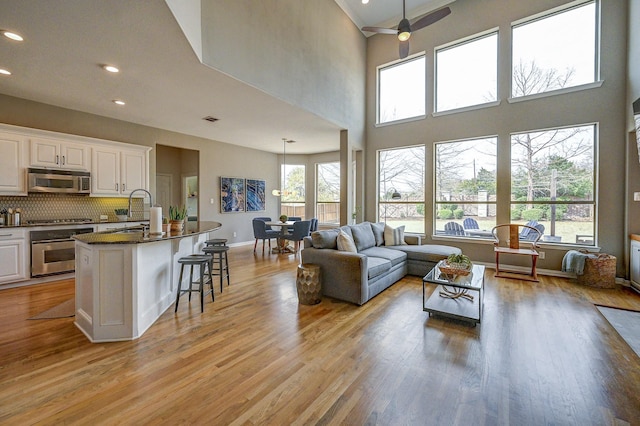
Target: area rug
[
  {"x": 64, "y": 310},
  {"x": 626, "y": 323}
]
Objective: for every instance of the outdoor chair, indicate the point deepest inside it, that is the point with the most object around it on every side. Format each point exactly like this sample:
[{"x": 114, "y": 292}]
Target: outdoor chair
[
  {"x": 470, "y": 223},
  {"x": 314, "y": 225},
  {"x": 453, "y": 228}
]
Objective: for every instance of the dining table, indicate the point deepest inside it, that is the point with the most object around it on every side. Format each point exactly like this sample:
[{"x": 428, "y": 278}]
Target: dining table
[{"x": 282, "y": 246}]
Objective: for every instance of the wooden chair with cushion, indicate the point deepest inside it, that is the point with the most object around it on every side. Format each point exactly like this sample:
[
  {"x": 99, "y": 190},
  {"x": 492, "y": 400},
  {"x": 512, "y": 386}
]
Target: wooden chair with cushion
[{"x": 508, "y": 241}]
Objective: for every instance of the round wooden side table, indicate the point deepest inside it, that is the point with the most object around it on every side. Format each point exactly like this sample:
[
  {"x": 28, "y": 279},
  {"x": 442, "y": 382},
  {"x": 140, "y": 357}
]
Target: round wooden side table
[{"x": 308, "y": 284}]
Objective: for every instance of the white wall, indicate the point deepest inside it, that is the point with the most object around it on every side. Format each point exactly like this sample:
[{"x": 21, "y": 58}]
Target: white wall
[{"x": 605, "y": 105}]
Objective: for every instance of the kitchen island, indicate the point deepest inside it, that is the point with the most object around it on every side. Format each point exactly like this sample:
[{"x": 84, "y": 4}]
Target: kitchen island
[{"x": 126, "y": 279}]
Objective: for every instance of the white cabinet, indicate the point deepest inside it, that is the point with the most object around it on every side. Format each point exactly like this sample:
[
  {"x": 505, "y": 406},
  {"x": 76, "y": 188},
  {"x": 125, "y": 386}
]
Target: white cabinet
[
  {"x": 117, "y": 172},
  {"x": 13, "y": 164},
  {"x": 13, "y": 255},
  {"x": 635, "y": 263},
  {"x": 54, "y": 153}
]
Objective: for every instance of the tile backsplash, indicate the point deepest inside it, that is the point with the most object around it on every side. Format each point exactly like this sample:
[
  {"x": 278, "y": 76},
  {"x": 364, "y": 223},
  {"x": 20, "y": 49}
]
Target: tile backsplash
[{"x": 59, "y": 206}]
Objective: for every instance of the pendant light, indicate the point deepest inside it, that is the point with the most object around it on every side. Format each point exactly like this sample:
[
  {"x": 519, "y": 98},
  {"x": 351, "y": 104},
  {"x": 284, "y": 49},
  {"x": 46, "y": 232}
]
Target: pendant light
[{"x": 280, "y": 192}]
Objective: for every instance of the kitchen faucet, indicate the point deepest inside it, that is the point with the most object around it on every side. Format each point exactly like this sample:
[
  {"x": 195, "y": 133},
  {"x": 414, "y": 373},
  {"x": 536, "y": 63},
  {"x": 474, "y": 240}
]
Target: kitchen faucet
[{"x": 131, "y": 195}]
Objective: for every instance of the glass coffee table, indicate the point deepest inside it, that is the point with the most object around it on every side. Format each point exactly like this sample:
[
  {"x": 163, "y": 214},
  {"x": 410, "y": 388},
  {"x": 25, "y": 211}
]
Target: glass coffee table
[{"x": 456, "y": 296}]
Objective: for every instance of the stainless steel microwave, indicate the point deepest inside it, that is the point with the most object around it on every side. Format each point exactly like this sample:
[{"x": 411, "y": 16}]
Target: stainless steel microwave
[{"x": 59, "y": 181}]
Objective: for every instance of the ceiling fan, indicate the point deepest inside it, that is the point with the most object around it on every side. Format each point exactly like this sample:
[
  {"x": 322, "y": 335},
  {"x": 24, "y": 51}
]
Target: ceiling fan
[{"x": 405, "y": 28}]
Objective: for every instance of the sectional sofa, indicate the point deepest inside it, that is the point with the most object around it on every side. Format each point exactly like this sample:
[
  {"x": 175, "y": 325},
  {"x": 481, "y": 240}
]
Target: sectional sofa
[{"x": 359, "y": 261}]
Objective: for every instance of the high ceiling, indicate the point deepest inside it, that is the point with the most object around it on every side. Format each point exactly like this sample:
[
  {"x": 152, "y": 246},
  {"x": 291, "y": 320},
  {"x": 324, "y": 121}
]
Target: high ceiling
[{"x": 162, "y": 82}]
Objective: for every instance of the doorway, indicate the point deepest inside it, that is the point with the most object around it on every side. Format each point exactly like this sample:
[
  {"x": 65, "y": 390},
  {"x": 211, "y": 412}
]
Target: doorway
[{"x": 177, "y": 172}]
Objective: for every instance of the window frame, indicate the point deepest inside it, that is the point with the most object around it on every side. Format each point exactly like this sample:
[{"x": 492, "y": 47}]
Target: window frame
[
  {"x": 597, "y": 81},
  {"x": 593, "y": 203},
  {"x": 436, "y": 203},
  {"x": 452, "y": 45},
  {"x": 389, "y": 65},
  {"x": 379, "y": 181},
  {"x": 318, "y": 202},
  {"x": 295, "y": 203}
]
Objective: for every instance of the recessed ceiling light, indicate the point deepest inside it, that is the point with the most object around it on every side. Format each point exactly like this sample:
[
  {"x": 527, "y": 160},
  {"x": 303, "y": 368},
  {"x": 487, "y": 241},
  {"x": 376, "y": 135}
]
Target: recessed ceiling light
[
  {"x": 12, "y": 36},
  {"x": 365, "y": 1},
  {"x": 110, "y": 68},
  {"x": 5, "y": 72},
  {"x": 118, "y": 102}
]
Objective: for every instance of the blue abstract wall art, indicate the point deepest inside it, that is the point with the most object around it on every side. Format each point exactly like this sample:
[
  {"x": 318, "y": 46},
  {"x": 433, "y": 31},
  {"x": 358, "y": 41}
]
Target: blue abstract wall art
[
  {"x": 232, "y": 194},
  {"x": 256, "y": 200}
]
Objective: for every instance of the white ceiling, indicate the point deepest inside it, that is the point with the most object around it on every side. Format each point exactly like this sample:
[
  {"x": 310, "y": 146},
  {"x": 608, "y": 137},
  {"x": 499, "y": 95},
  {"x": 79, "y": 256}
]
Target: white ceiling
[{"x": 161, "y": 80}]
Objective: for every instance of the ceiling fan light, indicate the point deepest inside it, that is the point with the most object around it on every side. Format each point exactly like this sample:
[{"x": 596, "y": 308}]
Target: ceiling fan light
[{"x": 404, "y": 30}]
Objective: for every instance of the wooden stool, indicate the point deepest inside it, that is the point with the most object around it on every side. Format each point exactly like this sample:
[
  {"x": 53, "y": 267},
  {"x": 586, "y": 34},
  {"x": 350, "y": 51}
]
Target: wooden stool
[
  {"x": 203, "y": 261},
  {"x": 219, "y": 262},
  {"x": 216, "y": 242},
  {"x": 308, "y": 284}
]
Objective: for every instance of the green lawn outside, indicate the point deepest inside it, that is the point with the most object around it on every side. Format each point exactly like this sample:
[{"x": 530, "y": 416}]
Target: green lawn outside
[{"x": 564, "y": 229}]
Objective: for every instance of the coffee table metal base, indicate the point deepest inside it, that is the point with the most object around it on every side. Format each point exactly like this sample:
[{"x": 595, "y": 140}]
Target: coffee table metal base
[{"x": 443, "y": 300}]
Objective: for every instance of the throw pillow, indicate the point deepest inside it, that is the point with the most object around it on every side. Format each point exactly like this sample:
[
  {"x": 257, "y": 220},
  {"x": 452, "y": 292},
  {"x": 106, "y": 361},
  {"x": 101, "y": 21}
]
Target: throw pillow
[
  {"x": 363, "y": 236},
  {"x": 394, "y": 236},
  {"x": 346, "y": 243},
  {"x": 378, "y": 232}
]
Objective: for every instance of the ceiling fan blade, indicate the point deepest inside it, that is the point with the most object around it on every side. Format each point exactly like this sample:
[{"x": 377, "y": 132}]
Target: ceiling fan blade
[
  {"x": 380, "y": 30},
  {"x": 404, "y": 49},
  {"x": 431, "y": 18}
]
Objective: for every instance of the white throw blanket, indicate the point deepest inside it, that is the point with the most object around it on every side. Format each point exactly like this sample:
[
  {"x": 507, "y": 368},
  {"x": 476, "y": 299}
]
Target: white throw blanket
[{"x": 573, "y": 261}]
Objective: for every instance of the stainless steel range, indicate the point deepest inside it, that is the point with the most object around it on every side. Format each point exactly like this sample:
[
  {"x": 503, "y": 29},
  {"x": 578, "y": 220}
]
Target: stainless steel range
[{"x": 53, "y": 251}]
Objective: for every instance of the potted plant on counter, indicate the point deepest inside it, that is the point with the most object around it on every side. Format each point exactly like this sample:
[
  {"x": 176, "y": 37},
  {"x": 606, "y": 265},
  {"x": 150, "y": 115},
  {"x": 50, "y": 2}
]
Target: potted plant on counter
[
  {"x": 122, "y": 214},
  {"x": 177, "y": 215}
]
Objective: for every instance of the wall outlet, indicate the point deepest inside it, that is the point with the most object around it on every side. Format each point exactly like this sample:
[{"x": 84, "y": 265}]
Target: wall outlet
[
  {"x": 211, "y": 201},
  {"x": 235, "y": 234},
  {"x": 541, "y": 253},
  {"x": 636, "y": 196}
]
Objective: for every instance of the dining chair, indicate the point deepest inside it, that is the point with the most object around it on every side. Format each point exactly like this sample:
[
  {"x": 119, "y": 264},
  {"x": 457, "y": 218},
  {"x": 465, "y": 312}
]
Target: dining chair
[
  {"x": 295, "y": 218},
  {"x": 314, "y": 225},
  {"x": 301, "y": 229},
  {"x": 260, "y": 232}
]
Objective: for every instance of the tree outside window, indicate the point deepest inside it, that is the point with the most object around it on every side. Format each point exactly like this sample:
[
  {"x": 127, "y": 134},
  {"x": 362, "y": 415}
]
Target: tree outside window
[
  {"x": 465, "y": 195},
  {"x": 401, "y": 172},
  {"x": 552, "y": 182},
  {"x": 555, "y": 51},
  {"x": 292, "y": 201}
]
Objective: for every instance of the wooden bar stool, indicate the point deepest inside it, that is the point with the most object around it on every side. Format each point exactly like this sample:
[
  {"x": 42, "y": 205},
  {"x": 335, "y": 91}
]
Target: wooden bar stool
[
  {"x": 220, "y": 262},
  {"x": 202, "y": 261}
]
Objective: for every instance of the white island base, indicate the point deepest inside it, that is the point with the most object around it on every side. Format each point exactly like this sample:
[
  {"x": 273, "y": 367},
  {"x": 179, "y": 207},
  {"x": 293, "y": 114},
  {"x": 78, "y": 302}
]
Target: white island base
[{"x": 122, "y": 289}]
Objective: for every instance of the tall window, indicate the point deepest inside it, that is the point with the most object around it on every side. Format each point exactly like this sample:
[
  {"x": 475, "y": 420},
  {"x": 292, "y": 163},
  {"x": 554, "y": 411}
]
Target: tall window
[
  {"x": 552, "y": 182},
  {"x": 293, "y": 197},
  {"x": 401, "y": 187},
  {"x": 328, "y": 192},
  {"x": 467, "y": 72},
  {"x": 465, "y": 195},
  {"x": 555, "y": 51},
  {"x": 401, "y": 90}
]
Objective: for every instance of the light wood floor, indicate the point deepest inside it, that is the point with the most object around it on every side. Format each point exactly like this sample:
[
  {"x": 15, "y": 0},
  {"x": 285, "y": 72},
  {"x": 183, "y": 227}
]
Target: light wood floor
[{"x": 543, "y": 355}]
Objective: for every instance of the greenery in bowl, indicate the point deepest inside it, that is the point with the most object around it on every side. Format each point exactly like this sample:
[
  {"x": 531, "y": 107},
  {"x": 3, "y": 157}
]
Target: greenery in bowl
[
  {"x": 283, "y": 218},
  {"x": 459, "y": 259},
  {"x": 122, "y": 212},
  {"x": 177, "y": 212}
]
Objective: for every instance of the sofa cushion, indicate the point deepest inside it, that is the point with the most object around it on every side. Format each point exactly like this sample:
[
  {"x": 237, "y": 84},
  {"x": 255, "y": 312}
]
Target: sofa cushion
[
  {"x": 394, "y": 256},
  {"x": 428, "y": 252},
  {"x": 325, "y": 239},
  {"x": 345, "y": 242},
  {"x": 393, "y": 236},
  {"x": 378, "y": 232},
  {"x": 377, "y": 266},
  {"x": 363, "y": 236}
]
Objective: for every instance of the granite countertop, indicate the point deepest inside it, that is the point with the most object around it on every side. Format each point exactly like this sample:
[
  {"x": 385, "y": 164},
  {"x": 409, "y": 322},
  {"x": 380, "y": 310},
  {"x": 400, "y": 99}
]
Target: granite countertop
[
  {"x": 91, "y": 222},
  {"x": 138, "y": 237}
]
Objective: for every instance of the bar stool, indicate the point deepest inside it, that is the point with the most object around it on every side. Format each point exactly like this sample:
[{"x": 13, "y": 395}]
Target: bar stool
[
  {"x": 216, "y": 242},
  {"x": 220, "y": 262},
  {"x": 203, "y": 261}
]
